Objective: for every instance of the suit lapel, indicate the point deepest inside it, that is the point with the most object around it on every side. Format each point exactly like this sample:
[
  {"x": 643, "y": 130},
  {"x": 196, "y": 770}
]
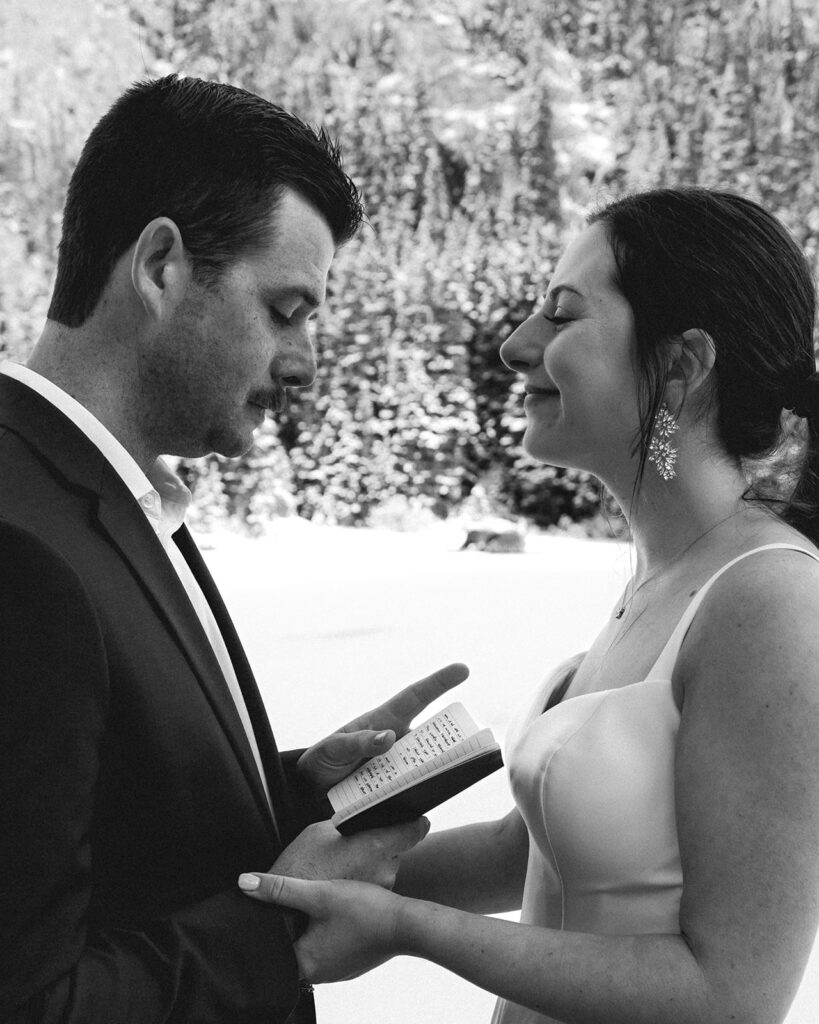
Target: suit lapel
[
  {"x": 271, "y": 762},
  {"x": 80, "y": 463},
  {"x": 132, "y": 535}
]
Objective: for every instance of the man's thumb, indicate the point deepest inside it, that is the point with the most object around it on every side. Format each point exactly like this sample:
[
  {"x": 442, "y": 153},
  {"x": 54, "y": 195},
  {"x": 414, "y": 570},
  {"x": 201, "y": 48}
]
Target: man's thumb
[{"x": 348, "y": 748}]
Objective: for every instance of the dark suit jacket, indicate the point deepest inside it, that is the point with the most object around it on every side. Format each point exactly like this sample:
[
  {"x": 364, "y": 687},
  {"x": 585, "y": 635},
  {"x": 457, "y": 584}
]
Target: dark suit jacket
[{"x": 129, "y": 797}]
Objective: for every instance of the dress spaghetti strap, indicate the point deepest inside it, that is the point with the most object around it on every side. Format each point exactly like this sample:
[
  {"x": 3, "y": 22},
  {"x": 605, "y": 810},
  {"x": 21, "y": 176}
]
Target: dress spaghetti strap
[{"x": 664, "y": 665}]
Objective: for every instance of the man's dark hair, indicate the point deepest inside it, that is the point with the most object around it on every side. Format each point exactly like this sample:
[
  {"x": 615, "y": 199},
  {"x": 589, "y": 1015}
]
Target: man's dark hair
[{"x": 213, "y": 158}]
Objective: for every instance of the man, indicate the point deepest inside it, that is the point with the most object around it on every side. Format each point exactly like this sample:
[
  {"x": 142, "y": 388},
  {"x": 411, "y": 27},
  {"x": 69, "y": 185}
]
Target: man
[{"x": 138, "y": 773}]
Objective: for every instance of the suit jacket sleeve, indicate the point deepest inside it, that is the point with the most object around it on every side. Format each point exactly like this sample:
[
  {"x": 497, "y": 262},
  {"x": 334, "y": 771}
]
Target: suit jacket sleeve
[
  {"x": 310, "y": 805},
  {"x": 225, "y": 958}
]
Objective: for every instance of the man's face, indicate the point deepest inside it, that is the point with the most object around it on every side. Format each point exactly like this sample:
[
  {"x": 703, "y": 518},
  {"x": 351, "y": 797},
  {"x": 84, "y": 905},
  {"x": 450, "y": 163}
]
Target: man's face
[{"x": 230, "y": 349}]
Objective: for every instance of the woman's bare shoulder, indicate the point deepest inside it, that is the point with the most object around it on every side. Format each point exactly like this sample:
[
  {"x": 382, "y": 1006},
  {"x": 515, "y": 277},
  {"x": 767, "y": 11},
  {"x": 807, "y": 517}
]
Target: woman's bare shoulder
[
  {"x": 770, "y": 581},
  {"x": 759, "y": 619}
]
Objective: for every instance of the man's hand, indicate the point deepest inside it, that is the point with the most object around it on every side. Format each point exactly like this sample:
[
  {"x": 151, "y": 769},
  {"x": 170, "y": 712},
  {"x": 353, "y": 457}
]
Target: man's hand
[
  {"x": 321, "y": 852},
  {"x": 352, "y": 925},
  {"x": 332, "y": 759}
]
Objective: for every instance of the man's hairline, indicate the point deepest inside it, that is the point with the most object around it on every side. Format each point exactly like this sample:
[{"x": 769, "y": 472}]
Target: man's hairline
[
  {"x": 210, "y": 276},
  {"x": 268, "y": 237}
]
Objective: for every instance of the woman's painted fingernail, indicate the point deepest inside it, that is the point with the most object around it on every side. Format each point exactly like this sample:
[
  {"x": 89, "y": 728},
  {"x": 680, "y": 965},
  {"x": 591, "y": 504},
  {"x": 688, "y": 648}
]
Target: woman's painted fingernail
[
  {"x": 381, "y": 739},
  {"x": 249, "y": 882}
]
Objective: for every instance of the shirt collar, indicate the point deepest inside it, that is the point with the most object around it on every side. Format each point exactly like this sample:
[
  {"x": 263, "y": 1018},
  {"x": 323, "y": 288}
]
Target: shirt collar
[{"x": 161, "y": 494}]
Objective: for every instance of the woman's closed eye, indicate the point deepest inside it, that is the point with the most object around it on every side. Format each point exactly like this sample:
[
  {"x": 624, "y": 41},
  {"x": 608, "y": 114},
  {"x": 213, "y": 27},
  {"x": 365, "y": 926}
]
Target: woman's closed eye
[
  {"x": 555, "y": 312},
  {"x": 558, "y": 318}
]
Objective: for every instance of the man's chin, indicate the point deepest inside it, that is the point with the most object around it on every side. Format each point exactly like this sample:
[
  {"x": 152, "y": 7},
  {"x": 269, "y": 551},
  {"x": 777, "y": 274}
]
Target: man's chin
[
  {"x": 236, "y": 450},
  {"x": 229, "y": 446},
  {"x": 231, "y": 442}
]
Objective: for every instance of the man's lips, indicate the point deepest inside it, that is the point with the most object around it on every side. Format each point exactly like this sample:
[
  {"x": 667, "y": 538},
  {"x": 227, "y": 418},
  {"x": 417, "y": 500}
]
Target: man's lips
[{"x": 268, "y": 403}]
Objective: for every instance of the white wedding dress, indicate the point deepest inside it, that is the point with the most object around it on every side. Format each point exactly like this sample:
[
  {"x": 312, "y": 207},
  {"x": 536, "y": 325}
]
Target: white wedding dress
[{"x": 593, "y": 779}]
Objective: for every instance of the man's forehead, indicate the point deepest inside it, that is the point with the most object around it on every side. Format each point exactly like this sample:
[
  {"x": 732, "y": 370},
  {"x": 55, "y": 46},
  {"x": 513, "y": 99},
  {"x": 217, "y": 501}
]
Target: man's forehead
[
  {"x": 300, "y": 250},
  {"x": 292, "y": 213}
]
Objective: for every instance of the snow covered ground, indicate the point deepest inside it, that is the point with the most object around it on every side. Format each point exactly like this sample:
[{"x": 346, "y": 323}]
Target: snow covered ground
[{"x": 334, "y": 620}]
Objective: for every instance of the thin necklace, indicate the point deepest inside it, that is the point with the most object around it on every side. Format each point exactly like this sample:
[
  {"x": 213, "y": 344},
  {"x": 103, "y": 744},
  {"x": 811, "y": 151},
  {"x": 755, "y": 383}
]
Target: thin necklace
[{"x": 628, "y": 600}]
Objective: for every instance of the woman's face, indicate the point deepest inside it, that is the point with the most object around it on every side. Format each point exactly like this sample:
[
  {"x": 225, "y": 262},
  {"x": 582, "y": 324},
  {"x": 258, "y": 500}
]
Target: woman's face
[{"x": 577, "y": 356}]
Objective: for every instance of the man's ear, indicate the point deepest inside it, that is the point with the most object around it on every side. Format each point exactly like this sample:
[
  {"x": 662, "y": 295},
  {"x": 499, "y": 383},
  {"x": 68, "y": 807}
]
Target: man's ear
[
  {"x": 691, "y": 360},
  {"x": 160, "y": 268}
]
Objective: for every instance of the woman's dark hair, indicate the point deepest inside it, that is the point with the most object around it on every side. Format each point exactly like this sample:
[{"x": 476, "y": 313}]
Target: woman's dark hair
[
  {"x": 213, "y": 158},
  {"x": 696, "y": 258}
]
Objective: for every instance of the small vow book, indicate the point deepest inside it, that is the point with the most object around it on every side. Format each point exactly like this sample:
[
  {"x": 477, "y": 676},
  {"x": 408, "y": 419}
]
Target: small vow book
[{"x": 433, "y": 762}]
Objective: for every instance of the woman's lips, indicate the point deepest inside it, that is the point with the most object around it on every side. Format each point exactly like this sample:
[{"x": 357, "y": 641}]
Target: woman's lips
[{"x": 540, "y": 396}]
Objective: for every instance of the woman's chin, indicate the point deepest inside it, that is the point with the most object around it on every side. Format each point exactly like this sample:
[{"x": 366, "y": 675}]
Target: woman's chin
[{"x": 547, "y": 454}]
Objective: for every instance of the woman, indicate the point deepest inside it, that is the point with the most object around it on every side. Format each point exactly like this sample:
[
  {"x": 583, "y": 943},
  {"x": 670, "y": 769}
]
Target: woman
[{"x": 665, "y": 844}]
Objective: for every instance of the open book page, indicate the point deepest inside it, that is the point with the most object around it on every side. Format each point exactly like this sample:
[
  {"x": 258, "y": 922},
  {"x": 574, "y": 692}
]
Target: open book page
[
  {"x": 441, "y": 733},
  {"x": 470, "y": 750}
]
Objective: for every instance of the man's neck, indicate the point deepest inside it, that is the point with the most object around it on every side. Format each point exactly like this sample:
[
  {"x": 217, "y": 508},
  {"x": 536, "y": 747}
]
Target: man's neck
[{"x": 78, "y": 363}]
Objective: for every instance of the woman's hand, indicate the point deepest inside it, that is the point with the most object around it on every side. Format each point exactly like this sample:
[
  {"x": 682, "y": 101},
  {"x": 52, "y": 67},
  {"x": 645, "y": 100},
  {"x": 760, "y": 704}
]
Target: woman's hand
[{"x": 352, "y": 929}]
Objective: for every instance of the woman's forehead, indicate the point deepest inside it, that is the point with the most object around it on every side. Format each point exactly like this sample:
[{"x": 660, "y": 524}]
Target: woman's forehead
[{"x": 587, "y": 266}]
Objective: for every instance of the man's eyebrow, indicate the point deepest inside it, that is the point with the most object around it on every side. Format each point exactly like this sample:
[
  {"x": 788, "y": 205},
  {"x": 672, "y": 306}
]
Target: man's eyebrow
[{"x": 310, "y": 297}]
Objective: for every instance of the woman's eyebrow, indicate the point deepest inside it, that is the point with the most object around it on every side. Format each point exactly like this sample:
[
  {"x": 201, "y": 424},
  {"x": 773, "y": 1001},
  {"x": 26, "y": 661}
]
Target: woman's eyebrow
[{"x": 556, "y": 291}]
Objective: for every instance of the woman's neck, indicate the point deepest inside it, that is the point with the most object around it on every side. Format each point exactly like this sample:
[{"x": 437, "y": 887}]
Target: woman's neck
[{"x": 670, "y": 518}]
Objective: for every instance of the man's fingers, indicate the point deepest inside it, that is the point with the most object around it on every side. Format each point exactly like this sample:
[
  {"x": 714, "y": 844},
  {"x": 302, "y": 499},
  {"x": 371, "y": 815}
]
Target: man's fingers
[
  {"x": 414, "y": 698},
  {"x": 415, "y": 831},
  {"x": 399, "y": 838},
  {"x": 283, "y": 890},
  {"x": 348, "y": 748}
]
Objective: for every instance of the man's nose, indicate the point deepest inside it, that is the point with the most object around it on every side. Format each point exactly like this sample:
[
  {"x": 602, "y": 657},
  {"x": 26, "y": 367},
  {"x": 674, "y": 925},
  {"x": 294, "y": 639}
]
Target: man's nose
[
  {"x": 523, "y": 349},
  {"x": 297, "y": 363}
]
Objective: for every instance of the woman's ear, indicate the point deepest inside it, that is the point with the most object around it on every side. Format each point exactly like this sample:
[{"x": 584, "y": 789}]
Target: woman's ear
[
  {"x": 691, "y": 360},
  {"x": 160, "y": 268}
]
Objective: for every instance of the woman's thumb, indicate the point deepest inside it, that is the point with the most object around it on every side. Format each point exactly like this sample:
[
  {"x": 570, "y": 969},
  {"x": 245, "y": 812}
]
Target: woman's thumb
[{"x": 281, "y": 890}]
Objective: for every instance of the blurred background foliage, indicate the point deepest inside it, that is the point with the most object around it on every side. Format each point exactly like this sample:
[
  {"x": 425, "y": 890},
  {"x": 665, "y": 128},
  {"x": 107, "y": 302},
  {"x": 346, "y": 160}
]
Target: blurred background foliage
[{"x": 480, "y": 132}]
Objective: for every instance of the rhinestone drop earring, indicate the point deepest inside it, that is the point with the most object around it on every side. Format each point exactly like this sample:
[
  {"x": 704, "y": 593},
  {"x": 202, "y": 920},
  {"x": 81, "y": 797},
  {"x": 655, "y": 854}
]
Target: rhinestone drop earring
[{"x": 661, "y": 451}]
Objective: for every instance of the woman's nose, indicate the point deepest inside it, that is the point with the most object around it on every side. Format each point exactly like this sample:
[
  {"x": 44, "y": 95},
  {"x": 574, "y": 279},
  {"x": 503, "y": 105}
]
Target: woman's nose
[{"x": 523, "y": 349}]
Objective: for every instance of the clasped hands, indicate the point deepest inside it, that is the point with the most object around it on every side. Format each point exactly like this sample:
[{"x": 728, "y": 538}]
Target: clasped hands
[{"x": 324, "y": 874}]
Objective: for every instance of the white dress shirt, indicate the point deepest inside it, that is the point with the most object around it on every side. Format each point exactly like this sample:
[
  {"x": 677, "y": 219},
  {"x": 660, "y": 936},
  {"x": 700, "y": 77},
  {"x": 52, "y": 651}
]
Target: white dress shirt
[{"x": 164, "y": 499}]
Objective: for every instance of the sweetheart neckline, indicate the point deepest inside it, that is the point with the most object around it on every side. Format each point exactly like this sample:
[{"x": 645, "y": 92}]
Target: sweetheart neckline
[{"x": 611, "y": 689}]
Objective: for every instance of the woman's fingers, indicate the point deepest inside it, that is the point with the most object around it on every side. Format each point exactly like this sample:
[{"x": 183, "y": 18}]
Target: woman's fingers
[
  {"x": 352, "y": 925},
  {"x": 283, "y": 890}
]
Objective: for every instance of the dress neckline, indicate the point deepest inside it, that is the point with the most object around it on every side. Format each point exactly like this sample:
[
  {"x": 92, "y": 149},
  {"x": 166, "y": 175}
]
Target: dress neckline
[{"x": 663, "y": 668}]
